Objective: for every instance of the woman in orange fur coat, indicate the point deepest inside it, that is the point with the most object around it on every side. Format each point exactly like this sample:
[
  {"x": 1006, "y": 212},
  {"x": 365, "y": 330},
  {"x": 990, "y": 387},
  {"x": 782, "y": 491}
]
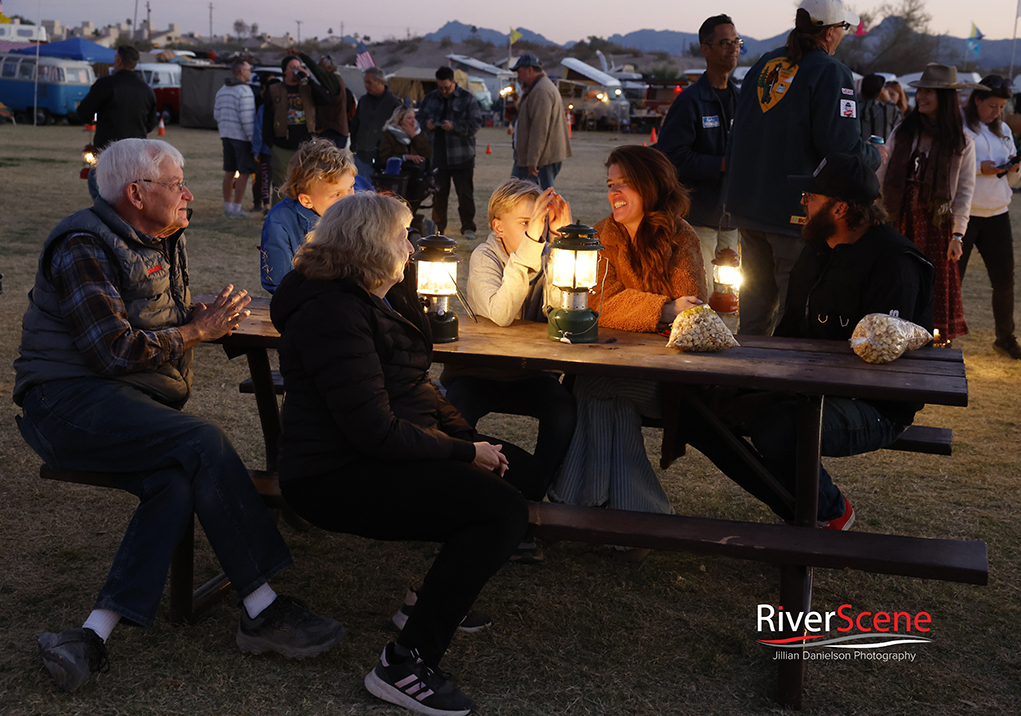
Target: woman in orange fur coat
[{"x": 650, "y": 270}]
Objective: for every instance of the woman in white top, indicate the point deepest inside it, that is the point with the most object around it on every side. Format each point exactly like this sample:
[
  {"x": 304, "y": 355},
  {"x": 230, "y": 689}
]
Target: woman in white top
[{"x": 989, "y": 227}]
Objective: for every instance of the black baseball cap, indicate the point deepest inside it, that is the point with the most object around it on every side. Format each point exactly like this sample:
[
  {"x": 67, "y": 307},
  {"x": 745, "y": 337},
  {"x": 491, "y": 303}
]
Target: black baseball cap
[
  {"x": 527, "y": 60},
  {"x": 843, "y": 177}
]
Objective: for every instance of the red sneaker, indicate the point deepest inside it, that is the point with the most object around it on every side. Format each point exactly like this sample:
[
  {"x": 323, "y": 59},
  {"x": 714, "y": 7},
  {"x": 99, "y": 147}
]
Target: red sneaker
[{"x": 843, "y": 522}]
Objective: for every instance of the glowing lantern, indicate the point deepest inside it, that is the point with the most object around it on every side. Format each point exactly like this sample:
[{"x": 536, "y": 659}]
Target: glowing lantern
[
  {"x": 726, "y": 282},
  {"x": 436, "y": 266},
  {"x": 573, "y": 261}
]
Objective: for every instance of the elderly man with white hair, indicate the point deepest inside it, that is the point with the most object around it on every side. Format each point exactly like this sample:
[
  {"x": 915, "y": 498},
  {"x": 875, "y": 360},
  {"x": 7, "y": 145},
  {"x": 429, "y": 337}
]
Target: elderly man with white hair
[{"x": 103, "y": 371}]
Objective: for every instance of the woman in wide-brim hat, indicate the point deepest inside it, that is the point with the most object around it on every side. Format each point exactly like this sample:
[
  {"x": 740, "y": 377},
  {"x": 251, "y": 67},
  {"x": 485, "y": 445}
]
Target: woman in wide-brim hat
[{"x": 928, "y": 182}]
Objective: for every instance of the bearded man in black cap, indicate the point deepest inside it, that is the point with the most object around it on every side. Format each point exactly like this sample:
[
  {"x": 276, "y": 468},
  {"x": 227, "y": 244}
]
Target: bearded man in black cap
[{"x": 854, "y": 263}]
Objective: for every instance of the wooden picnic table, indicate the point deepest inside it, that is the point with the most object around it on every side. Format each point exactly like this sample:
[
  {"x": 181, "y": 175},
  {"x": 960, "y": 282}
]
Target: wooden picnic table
[{"x": 810, "y": 369}]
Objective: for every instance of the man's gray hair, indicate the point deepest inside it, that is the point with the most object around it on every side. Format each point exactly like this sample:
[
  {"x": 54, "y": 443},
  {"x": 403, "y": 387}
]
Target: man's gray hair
[
  {"x": 376, "y": 74},
  {"x": 130, "y": 160}
]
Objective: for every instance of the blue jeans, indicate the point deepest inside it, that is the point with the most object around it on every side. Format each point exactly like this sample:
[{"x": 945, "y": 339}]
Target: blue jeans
[
  {"x": 547, "y": 174},
  {"x": 176, "y": 464},
  {"x": 541, "y": 397},
  {"x": 849, "y": 427}
]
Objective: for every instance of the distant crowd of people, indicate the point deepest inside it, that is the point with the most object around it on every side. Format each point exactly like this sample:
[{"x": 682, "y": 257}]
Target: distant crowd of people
[{"x": 839, "y": 205}]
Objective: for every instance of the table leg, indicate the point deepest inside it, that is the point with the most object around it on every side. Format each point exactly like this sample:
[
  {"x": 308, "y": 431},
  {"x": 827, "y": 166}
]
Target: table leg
[
  {"x": 796, "y": 581},
  {"x": 265, "y": 401}
]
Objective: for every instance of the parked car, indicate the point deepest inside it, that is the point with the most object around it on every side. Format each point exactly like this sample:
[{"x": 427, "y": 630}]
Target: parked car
[
  {"x": 165, "y": 80},
  {"x": 62, "y": 86}
]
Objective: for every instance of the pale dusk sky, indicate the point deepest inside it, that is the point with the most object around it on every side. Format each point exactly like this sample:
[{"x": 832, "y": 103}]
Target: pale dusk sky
[{"x": 559, "y": 21}]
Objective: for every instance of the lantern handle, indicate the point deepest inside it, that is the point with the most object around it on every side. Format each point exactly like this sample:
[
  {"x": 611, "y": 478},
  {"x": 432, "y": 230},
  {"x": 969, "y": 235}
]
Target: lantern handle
[{"x": 464, "y": 302}]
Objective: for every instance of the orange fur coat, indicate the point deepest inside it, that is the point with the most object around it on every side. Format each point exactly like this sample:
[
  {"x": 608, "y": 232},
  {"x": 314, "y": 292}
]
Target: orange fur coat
[{"x": 626, "y": 303}]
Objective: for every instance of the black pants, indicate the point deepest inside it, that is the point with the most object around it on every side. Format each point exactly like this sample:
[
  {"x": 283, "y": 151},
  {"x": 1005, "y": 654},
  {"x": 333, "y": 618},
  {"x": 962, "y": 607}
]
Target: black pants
[
  {"x": 541, "y": 397},
  {"x": 478, "y": 517},
  {"x": 463, "y": 176},
  {"x": 992, "y": 237}
]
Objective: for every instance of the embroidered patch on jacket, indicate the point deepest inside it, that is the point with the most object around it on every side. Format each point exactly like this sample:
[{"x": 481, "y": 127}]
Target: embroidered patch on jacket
[
  {"x": 848, "y": 108},
  {"x": 709, "y": 122},
  {"x": 847, "y": 91},
  {"x": 154, "y": 269},
  {"x": 774, "y": 81},
  {"x": 799, "y": 220}
]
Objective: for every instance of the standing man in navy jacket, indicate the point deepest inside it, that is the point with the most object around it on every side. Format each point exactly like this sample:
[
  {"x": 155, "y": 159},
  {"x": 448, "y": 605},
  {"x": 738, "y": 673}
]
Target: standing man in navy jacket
[
  {"x": 797, "y": 106},
  {"x": 695, "y": 134}
]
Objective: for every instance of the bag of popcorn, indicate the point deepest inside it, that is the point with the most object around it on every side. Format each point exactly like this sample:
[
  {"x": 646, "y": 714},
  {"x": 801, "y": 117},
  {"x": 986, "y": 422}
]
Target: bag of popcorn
[
  {"x": 880, "y": 338},
  {"x": 699, "y": 329}
]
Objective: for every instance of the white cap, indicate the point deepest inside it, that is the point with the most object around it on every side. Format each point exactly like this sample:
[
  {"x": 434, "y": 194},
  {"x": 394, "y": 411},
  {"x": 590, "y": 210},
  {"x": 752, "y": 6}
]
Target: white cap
[{"x": 829, "y": 12}]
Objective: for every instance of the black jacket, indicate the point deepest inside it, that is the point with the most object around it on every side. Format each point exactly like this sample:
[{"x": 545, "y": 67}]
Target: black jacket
[
  {"x": 356, "y": 376},
  {"x": 830, "y": 290},
  {"x": 126, "y": 107},
  {"x": 694, "y": 138}
]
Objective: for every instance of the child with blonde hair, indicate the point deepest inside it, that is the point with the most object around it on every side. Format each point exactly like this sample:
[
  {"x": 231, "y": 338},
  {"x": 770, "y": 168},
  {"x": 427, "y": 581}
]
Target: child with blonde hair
[
  {"x": 318, "y": 175},
  {"x": 506, "y": 282}
]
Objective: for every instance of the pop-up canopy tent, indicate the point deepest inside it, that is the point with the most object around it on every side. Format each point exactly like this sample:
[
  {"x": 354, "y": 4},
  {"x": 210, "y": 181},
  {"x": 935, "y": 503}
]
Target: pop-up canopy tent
[{"x": 74, "y": 49}]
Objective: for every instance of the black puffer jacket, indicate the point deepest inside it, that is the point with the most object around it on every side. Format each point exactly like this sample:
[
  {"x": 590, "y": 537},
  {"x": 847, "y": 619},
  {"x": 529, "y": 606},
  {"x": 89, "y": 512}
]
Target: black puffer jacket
[{"x": 356, "y": 378}]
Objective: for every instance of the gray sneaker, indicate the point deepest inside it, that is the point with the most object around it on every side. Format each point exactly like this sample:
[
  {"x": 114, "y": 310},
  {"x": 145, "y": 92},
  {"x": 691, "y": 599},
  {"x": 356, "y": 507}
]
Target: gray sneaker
[
  {"x": 72, "y": 655},
  {"x": 289, "y": 628},
  {"x": 469, "y": 235}
]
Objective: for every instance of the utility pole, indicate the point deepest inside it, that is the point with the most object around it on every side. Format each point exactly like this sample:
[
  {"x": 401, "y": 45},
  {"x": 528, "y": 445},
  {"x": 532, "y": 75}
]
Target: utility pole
[
  {"x": 148, "y": 21},
  {"x": 342, "y": 30},
  {"x": 134, "y": 23},
  {"x": 210, "y": 22},
  {"x": 299, "y": 30}
]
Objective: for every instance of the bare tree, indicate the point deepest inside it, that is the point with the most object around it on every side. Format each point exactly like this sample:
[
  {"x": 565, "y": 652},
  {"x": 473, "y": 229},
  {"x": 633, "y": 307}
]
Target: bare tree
[
  {"x": 898, "y": 40},
  {"x": 240, "y": 28}
]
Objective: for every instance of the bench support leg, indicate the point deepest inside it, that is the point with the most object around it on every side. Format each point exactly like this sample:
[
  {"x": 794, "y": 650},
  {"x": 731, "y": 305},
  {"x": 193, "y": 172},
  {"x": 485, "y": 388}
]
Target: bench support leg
[
  {"x": 796, "y": 581},
  {"x": 187, "y": 606}
]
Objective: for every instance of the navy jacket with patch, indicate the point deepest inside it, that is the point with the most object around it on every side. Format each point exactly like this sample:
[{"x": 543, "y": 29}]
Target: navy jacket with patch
[
  {"x": 694, "y": 138},
  {"x": 811, "y": 116}
]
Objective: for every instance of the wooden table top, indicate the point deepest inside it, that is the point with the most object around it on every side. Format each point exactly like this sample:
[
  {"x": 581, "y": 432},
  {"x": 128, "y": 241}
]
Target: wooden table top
[{"x": 804, "y": 366}]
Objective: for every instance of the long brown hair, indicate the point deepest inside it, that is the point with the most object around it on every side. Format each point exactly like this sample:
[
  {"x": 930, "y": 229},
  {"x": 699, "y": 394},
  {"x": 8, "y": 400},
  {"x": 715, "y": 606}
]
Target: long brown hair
[
  {"x": 805, "y": 37},
  {"x": 665, "y": 203},
  {"x": 948, "y": 133}
]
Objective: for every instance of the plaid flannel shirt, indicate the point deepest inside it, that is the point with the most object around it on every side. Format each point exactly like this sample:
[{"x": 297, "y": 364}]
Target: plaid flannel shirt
[
  {"x": 464, "y": 114},
  {"x": 81, "y": 274}
]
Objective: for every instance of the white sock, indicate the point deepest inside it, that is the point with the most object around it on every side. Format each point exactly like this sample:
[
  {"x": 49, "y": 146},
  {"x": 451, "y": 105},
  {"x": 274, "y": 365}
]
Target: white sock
[
  {"x": 102, "y": 621},
  {"x": 228, "y": 207},
  {"x": 235, "y": 208},
  {"x": 259, "y": 600}
]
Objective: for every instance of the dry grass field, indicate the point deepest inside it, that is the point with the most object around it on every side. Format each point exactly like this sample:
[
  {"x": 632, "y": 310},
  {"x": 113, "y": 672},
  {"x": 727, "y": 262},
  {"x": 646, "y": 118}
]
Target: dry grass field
[{"x": 581, "y": 633}]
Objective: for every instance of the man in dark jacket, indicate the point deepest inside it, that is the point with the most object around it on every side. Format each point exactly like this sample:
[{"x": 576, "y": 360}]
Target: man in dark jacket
[
  {"x": 453, "y": 116},
  {"x": 103, "y": 370},
  {"x": 374, "y": 108},
  {"x": 123, "y": 104},
  {"x": 290, "y": 117},
  {"x": 695, "y": 134},
  {"x": 797, "y": 105},
  {"x": 854, "y": 263}
]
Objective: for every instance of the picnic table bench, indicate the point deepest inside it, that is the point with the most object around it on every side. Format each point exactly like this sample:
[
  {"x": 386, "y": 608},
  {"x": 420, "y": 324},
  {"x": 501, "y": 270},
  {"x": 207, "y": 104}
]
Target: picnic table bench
[{"x": 810, "y": 369}]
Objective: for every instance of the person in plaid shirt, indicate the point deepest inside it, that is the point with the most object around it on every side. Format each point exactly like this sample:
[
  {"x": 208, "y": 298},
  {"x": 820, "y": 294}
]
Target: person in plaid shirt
[
  {"x": 453, "y": 116},
  {"x": 103, "y": 370}
]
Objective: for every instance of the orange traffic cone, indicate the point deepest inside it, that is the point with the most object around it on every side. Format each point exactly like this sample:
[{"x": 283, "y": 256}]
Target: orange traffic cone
[
  {"x": 652, "y": 137},
  {"x": 645, "y": 144},
  {"x": 488, "y": 150},
  {"x": 163, "y": 129},
  {"x": 570, "y": 124}
]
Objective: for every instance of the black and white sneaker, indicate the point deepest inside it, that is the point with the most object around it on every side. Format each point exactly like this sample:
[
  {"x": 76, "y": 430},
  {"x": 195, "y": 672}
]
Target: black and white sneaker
[
  {"x": 415, "y": 686},
  {"x": 289, "y": 628},
  {"x": 473, "y": 621}
]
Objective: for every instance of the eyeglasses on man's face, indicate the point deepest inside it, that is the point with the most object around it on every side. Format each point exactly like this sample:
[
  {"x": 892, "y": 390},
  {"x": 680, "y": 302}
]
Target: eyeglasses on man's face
[
  {"x": 179, "y": 185},
  {"x": 727, "y": 44}
]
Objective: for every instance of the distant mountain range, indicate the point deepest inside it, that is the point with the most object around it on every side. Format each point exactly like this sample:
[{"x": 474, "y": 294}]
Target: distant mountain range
[{"x": 994, "y": 53}]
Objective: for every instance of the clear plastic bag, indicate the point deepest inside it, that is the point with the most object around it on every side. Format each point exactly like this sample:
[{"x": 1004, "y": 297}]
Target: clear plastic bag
[
  {"x": 700, "y": 330},
  {"x": 880, "y": 338}
]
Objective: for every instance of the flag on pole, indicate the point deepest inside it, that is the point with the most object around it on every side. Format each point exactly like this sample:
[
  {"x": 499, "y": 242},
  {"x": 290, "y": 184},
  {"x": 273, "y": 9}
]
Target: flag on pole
[
  {"x": 861, "y": 31},
  {"x": 975, "y": 40},
  {"x": 515, "y": 35},
  {"x": 364, "y": 60}
]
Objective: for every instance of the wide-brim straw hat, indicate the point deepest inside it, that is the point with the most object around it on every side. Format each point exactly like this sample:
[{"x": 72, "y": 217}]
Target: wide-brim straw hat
[{"x": 938, "y": 76}]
